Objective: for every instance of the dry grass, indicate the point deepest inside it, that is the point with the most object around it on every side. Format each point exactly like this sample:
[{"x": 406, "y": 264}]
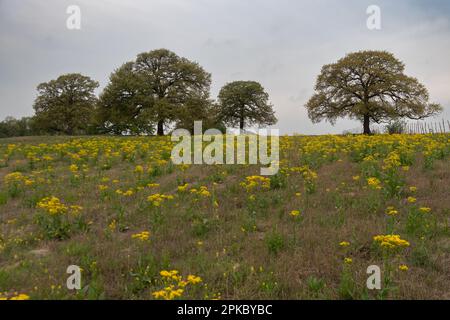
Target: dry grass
[{"x": 241, "y": 248}]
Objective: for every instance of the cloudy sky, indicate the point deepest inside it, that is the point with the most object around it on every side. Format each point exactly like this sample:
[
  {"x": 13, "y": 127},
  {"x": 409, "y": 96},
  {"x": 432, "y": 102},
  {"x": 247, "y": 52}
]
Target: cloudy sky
[{"x": 282, "y": 44}]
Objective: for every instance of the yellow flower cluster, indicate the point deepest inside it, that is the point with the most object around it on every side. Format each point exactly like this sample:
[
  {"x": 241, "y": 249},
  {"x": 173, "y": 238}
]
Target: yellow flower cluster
[
  {"x": 308, "y": 174},
  {"x": 13, "y": 177},
  {"x": 390, "y": 211},
  {"x": 403, "y": 267},
  {"x": 390, "y": 241},
  {"x": 16, "y": 296},
  {"x": 153, "y": 185},
  {"x": 52, "y": 205},
  {"x": 139, "y": 169},
  {"x": 295, "y": 213},
  {"x": 253, "y": 182},
  {"x": 344, "y": 244},
  {"x": 113, "y": 225},
  {"x": 16, "y": 178},
  {"x": 127, "y": 193},
  {"x": 192, "y": 279},
  {"x": 157, "y": 199},
  {"x": 374, "y": 183},
  {"x": 175, "y": 284},
  {"x": 425, "y": 210},
  {"x": 392, "y": 161},
  {"x": 168, "y": 293},
  {"x": 202, "y": 191},
  {"x": 183, "y": 187},
  {"x": 172, "y": 274},
  {"x": 102, "y": 187},
  {"x": 142, "y": 236},
  {"x": 75, "y": 210},
  {"x": 411, "y": 199}
]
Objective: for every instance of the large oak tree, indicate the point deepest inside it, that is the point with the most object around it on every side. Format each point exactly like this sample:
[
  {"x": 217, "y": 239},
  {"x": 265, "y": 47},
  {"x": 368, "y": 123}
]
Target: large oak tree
[
  {"x": 369, "y": 86},
  {"x": 66, "y": 105},
  {"x": 244, "y": 103},
  {"x": 151, "y": 91}
]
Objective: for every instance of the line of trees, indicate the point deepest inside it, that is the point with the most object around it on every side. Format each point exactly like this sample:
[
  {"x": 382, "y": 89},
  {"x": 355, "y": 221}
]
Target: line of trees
[
  {"x": 160, "y": 90},
  {"x": 153, "y": 93}
]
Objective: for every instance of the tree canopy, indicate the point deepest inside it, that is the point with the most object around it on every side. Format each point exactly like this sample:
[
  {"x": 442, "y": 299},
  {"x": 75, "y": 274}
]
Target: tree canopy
[
  {"x": 245, "y": 103},
  {"x": 66, "y": 105},
  {"x": 152, "y": 90},
  {"x": 369, "y": 86}
]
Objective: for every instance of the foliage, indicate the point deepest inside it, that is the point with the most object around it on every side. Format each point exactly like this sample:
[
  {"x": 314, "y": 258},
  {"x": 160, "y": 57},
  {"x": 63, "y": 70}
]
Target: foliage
[
  {"x": 369, "y": 86},
  {"x": 156, "y": 88},
  {"x": 245, "y": 103},
  {"x": 66, "y": 105},
  {"x": 395, "y": 127},
  {"x": 11, "y": 127}
]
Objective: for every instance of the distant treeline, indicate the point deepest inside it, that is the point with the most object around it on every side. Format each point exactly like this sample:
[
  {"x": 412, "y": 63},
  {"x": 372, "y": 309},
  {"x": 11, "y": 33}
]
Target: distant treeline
[
  {"x": 28, "y": 126},
  {"x": 12, "y": 127}
]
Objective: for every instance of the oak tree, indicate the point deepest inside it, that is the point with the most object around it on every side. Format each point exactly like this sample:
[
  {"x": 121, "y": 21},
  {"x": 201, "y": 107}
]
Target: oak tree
[
  {"x": 369, "y": 86},
  {"x": 245, "y": 103},
  {"x": 66, "y": 105},
  {"x": 150, "y": 91}
]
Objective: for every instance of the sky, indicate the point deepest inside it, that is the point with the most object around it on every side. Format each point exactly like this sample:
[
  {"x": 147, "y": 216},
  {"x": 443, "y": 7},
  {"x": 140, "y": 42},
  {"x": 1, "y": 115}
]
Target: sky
[{"x": 282, "y": 44}]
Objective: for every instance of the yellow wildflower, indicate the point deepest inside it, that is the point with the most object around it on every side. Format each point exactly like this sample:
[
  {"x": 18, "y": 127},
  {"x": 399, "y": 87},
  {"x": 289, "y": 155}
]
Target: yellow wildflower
[
  {"x": 142, "y": 236},
  {"x": 139, "y": 169},
  {"x": 390, "y": 241},
  {"x": 390, "y": 211},
  {"x": 295, "y": 213},
  {"x": 403, "y": 267},
  {"x": 194, "y": 279},
  {"x": 411, "y": 199},
  {"x": 374, "y": 183}
]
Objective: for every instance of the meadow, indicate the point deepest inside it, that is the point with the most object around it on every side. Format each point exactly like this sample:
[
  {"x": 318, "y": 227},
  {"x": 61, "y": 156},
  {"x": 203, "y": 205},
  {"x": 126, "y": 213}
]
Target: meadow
[{"x": 140, "y": 227}]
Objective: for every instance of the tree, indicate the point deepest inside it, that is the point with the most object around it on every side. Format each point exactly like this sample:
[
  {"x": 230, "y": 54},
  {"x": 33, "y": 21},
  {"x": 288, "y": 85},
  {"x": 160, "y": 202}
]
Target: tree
[
  {"x": 245, "y": 103},
  {"x": 66, "y": 105},
  {"x": 152, "y": 90},
  {"x": 199, "y": 110},
  {"x": 368, "y": 86},
  {"x": 12, "y": 127},
  {"x": 121, "y": 104}
]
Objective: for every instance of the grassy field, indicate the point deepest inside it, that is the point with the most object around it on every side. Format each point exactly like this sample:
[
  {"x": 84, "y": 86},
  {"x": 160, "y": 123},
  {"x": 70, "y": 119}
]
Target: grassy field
[{"x": 142, "y": 228}]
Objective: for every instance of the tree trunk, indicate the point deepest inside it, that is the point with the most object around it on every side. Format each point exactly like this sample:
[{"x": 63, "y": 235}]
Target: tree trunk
[
  {"x": 367, "y": 124},
  {"x": 160, "y": 131},
  {"x": 241, "y": 123}
]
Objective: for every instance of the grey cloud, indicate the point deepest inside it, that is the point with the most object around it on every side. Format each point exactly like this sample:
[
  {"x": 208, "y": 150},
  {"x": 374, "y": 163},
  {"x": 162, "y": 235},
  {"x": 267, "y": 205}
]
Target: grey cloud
[{"x": 282, "y": 44}]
